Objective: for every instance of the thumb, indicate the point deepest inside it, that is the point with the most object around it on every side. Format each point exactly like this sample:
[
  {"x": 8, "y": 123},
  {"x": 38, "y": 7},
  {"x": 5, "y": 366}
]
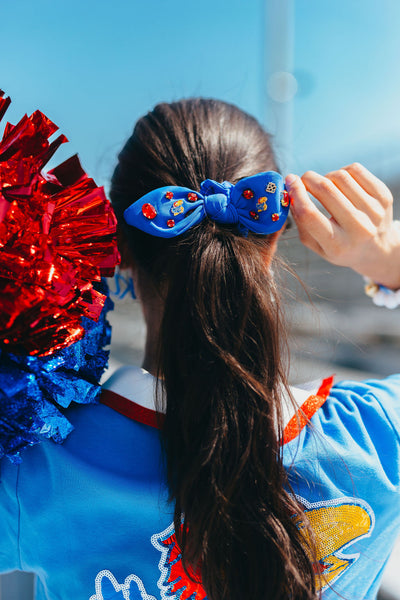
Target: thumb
[
  {"x": 313, "y": 227},
  {"x": 298, "y": 194}
]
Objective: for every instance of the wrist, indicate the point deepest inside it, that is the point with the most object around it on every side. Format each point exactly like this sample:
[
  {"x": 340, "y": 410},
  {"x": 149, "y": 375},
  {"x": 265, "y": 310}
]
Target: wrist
[{"x": 382, "y": 269}]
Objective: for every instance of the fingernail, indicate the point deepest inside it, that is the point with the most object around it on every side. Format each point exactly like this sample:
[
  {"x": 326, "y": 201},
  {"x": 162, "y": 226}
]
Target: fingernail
[{"x": 290, "y": 179}]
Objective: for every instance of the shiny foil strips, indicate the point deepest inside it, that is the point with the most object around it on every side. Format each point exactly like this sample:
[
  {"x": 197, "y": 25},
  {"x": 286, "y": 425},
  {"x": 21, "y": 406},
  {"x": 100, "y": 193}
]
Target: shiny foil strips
[
  {"x": 57, "y": 241},
  {"x": 57, "y": 238}
]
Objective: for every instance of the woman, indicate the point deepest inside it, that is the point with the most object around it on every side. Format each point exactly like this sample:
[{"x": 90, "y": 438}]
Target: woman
[
  {"x": 246, "y": 497},
  {"x": 210, "y": 302}
]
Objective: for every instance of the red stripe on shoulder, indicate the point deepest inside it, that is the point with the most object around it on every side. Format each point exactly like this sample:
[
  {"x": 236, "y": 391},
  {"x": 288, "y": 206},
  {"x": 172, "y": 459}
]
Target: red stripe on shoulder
[
  {"x": 144, "y": 415},
  {"x": 306, "y": 411},
  {"x": 130, "y": 409}
]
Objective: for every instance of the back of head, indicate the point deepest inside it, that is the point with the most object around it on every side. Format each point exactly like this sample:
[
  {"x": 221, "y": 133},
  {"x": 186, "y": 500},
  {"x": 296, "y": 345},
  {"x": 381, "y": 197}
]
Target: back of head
[
  {"x": 184, "y": 143},
  {"x": 219, "y": 357}
]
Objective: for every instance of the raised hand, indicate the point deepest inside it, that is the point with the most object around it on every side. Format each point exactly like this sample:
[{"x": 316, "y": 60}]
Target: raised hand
[{"x": 359, "y": 231}]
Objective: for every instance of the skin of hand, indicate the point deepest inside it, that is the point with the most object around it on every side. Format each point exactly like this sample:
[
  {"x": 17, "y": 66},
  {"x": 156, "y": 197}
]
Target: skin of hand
[{"x": 359, "y": 231}]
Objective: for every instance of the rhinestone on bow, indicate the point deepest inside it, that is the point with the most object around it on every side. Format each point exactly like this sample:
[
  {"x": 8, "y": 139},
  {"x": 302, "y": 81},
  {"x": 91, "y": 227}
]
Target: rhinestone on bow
[
  {"x": 149, "y": 211},
  {"x": 248, "y": 194}
]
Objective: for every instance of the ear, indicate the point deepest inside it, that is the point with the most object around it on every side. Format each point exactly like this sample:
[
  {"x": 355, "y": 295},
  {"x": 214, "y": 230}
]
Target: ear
[{"x": 127, "y": 260}]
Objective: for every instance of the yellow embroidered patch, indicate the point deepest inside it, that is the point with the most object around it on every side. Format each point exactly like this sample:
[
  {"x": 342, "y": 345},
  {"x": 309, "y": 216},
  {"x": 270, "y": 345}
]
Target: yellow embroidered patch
[{"x": 336, "y": 526}]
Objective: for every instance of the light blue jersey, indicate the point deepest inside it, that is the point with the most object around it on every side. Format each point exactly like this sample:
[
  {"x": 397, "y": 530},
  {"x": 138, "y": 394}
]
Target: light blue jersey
[{"x": 91, "y": 518}]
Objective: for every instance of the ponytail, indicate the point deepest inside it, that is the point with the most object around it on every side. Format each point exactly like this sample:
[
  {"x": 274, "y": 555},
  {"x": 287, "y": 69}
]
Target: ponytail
[{"x": 220, "y": 358}]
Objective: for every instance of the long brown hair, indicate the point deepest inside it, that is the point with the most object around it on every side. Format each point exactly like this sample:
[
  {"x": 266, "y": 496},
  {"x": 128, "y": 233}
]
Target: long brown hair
[{"x": 220, "y": 359}]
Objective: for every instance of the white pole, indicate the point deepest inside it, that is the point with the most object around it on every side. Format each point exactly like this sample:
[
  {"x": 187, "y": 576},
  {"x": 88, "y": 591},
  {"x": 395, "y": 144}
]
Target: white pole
[{"x": 280, "y": 85}]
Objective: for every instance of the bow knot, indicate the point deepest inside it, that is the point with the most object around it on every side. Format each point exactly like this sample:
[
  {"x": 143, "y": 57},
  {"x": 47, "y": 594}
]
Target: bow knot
[
  {"x": 217, "y": 202},
  {"x": 220, "y": 209}
]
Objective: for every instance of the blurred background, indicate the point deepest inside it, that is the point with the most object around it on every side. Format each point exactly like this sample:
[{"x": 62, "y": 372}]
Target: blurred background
[{"x": 322, "y": 77}]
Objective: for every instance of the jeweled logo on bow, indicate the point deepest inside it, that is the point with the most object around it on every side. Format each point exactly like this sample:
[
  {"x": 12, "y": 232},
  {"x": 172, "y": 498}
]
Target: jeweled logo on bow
[{"x": 259, "y": 204}]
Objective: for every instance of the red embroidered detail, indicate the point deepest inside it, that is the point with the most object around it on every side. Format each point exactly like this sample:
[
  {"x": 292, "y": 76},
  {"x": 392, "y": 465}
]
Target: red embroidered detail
[
  {"x": 170, "y": 223},
  {"x": 254, "y": 215},
  {"x": 248, "y": 194},
  {"x": 130, "y": 409},
  {"x": 275, "y": 217},
  {"x": 319, "y": 567},
  {"x": 192, "y": 197},
  {"x": 149, "y": 211},
  {"x": 179, "y": 582},
  {"x": 306, "y": 411},
  {"x": 169, "y": 195}
]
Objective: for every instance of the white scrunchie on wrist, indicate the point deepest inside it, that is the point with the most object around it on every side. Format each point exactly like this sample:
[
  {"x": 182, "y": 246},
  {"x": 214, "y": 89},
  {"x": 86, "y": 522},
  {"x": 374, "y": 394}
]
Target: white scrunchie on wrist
[{"x": 381, "y": 295}]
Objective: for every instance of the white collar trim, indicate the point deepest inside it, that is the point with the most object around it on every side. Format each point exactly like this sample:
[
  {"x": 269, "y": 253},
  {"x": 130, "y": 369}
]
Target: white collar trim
[{"x": 138, "y": 385}]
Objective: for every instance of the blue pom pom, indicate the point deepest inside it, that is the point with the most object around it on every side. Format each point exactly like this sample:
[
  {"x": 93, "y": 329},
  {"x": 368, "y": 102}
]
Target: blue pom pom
[{"x": 33, "y": 388}]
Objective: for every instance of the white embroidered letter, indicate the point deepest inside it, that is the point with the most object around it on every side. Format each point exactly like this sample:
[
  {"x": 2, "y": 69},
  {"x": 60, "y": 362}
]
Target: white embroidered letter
[{"x": 134, "y": 592}]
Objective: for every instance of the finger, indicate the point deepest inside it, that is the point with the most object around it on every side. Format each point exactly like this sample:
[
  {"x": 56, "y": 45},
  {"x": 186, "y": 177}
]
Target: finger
[
  {"x": 371, "y": 184},
  {"x": 311, "y": 243},
  {"x": 357, "y": 195},
  {"x": 310, "y": 221},
  {"x": 336, "y": 203}
]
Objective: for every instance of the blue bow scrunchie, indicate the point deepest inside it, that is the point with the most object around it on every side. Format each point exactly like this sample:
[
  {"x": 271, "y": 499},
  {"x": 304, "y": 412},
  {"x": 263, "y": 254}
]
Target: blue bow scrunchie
[{"x": 259, "y": 204}]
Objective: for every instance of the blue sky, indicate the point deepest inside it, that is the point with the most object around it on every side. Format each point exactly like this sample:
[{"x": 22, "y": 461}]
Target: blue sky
[
  {"x": 95, "y": 66},
  {"x": 351, "y": 49}
]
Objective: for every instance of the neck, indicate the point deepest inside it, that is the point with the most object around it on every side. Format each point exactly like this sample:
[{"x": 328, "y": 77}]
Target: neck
[
  {"x": 152, "y": 313},
  {"x": 150, "y": 351},
  {"x": 152, "y": 307}
]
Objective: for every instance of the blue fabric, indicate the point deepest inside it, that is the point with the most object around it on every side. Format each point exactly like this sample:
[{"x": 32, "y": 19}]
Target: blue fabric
[
  {"x": 91, "y": 516},
  {"x": 222, "y": 202},
  {"x": 347, "y": 466},
  {"x": 86, "y": 506}
]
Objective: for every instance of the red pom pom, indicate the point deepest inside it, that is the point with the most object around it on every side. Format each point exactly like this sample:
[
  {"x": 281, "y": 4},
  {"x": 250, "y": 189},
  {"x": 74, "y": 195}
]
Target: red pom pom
[{"x": 57, "y": 238}]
